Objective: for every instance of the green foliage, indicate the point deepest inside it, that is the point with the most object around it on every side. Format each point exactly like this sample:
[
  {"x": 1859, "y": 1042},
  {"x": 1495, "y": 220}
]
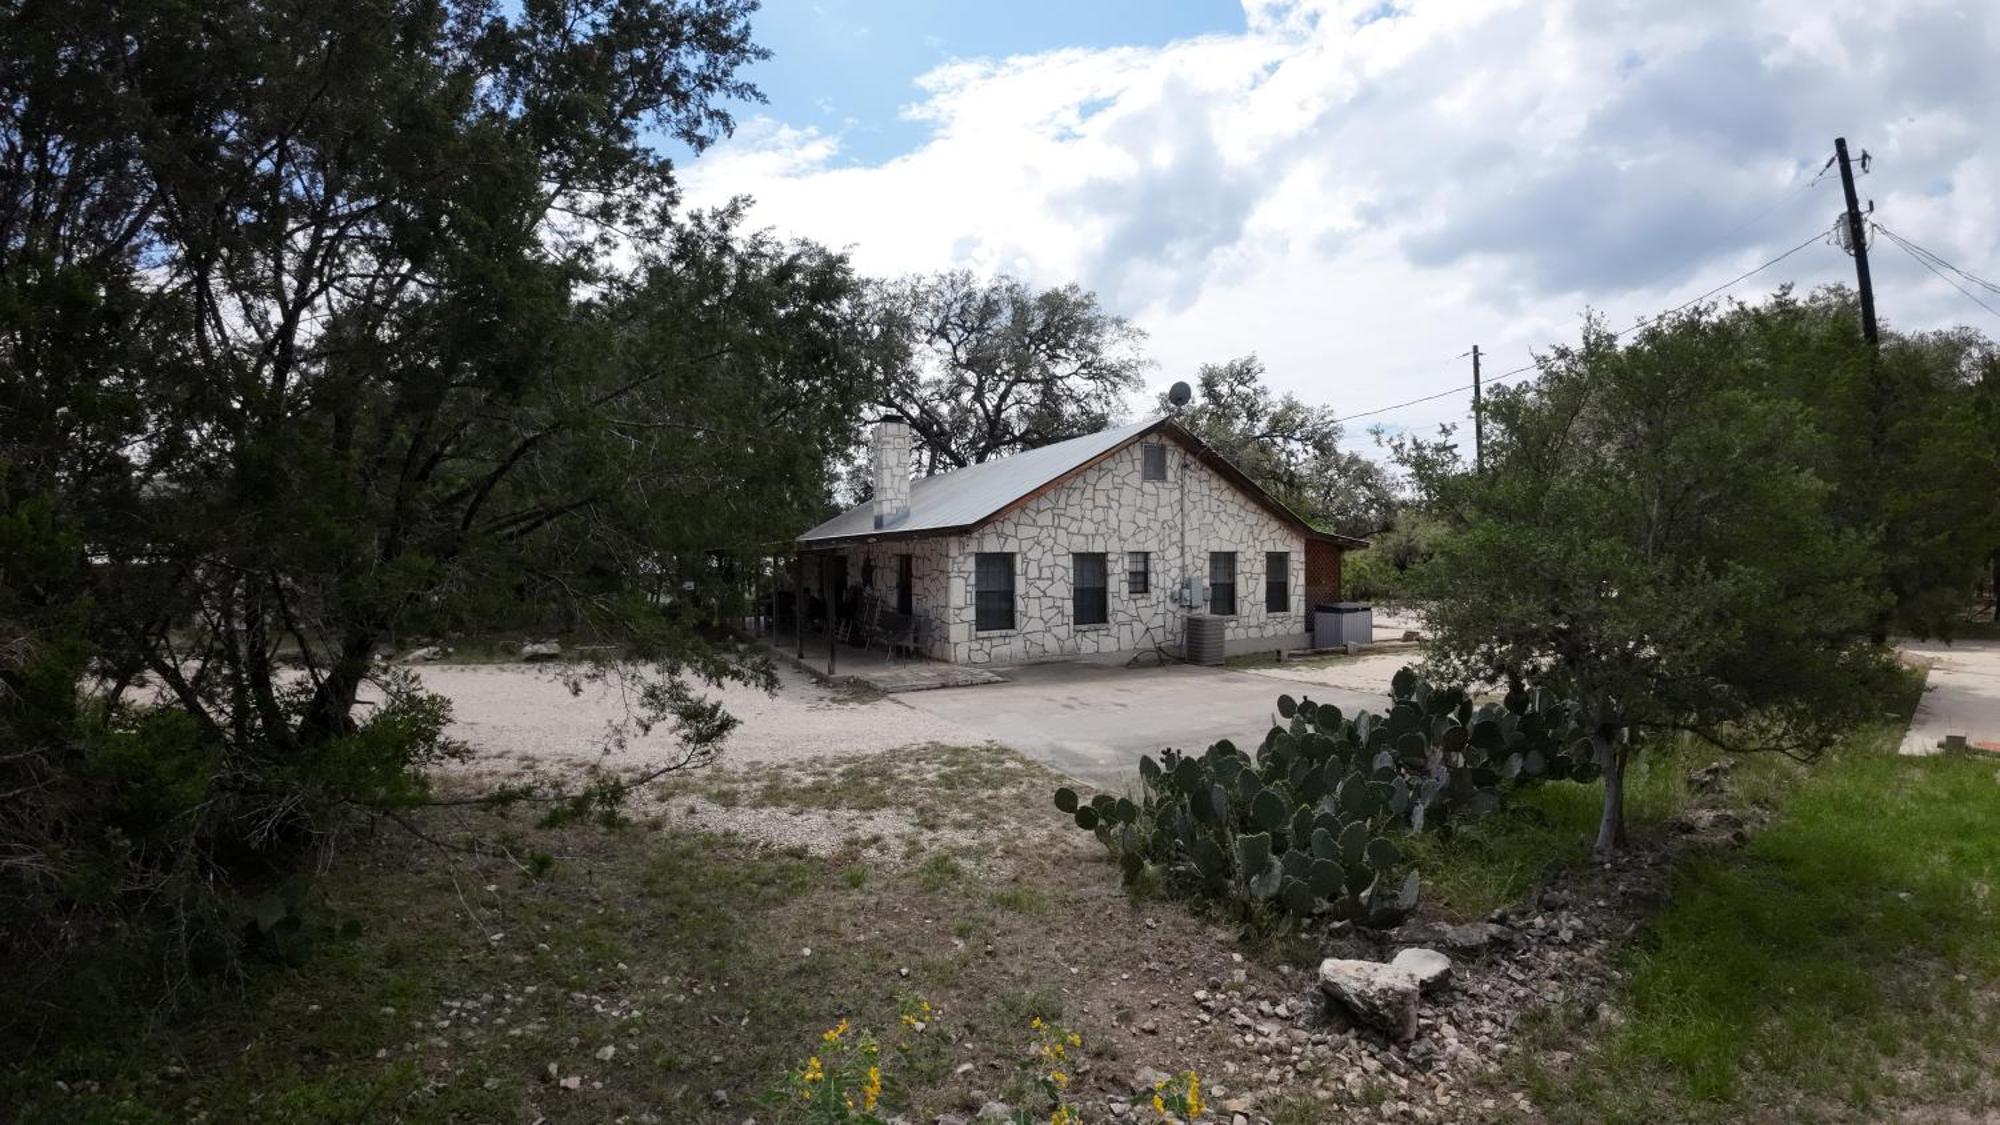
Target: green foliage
[
  {"x": 325, "y": 324},
  {"x": 1291, "y": 449},
  {"x": 1846, "y": 956},
  {"x": 984, "y": 368},
  {"x": 1309, "y": 825},
  {"x": 1686, "y": 531},
  {"x": 1385, "y": 572}
]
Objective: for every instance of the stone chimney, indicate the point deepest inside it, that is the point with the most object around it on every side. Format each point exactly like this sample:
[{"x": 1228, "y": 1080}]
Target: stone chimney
[{"x": 889, "y": 457}]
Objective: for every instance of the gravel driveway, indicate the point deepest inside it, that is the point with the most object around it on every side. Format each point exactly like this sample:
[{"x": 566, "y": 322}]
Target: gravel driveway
[
  {"x": 1962, "y": 696},
  {"x": 522, "y": 714},
  {"x": 1088, "y": 721}
]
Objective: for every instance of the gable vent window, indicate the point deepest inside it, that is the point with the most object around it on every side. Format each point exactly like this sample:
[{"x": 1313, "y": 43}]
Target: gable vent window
[
  {"x": 1090, "y": 594},
  {"x": 993, "y": 590},
  {"x": 1155, "y": 467},
  {"x": 1277, "y": 582},
  {"x": 1222, "y": 583}
]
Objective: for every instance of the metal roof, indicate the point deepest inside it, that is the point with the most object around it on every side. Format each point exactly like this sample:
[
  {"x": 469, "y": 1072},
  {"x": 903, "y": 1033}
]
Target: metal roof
[
  {"x": 968, "y": 496},
  {"x": 957, "y": 501}
]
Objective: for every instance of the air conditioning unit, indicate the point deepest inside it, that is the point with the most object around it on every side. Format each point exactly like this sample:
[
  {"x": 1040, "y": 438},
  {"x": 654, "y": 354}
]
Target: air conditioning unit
[{"x": 1202, "y": 639}]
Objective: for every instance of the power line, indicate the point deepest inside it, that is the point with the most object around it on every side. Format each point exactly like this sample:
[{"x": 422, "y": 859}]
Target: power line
[
  {"x": 1400, "y": 405},
  {"x": 1909, "y": 249},
  {"x": 1940, "y": 260},
  {"x": 1647, "y": 323},
  {"x": 1744, "y": 276},
  {"x": 1783, "y": 199}
]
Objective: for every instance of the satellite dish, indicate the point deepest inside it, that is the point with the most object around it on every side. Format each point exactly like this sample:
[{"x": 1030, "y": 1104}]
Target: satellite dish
[{"x": 1179, "y": 394}]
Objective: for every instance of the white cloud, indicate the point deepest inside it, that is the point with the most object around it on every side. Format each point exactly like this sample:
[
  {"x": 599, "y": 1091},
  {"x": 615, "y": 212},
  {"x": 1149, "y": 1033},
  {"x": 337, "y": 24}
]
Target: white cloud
[{"x": 1359, "y": 196}]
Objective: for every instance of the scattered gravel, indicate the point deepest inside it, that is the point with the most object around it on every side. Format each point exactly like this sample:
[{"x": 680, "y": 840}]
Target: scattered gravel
[{"x": 880, "y": 837}]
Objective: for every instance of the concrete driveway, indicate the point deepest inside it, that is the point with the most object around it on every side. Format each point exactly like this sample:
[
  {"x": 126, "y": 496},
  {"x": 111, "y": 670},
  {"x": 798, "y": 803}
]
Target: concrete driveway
[
  {"x": 1093, "y": 721},
  {"x": 1961, "y": 696}
]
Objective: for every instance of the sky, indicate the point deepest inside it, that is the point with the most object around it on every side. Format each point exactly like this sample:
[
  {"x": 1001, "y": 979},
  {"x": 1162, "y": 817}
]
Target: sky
[{"x": 1359, "y": 192}]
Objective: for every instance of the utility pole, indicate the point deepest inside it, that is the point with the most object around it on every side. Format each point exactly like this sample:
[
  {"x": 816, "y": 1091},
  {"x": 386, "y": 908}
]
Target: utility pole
[
  {"x": 1478, "y": 418},
  {"x": 1857, "y": 239}
]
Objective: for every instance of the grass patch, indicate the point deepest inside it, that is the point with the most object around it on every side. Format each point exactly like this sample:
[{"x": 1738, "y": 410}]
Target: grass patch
[
  {"x": 1499, "y": 860},
  {"x": 921, "y": 778},
  {"x": 1022, "y": 898},
  {"x": 1842, "y": 966},
  {"x": 703, "y": 962}
]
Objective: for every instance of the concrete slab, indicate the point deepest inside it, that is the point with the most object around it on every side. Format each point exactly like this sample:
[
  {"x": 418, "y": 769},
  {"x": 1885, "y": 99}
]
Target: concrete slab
[
  {"x": 1962, "y": 696},
  {"x": 876, "y": 668},
  {"x": 1092, "y": 721},
  {"x": 926, "y": 675}
]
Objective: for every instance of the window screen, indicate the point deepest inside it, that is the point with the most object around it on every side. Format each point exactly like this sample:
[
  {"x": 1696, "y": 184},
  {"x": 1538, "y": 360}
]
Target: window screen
[
  {"x": 1138, "y": 572},
  {"x": 1156, "y": 461},
  {"x": 904, "y": 580},
  {"x": 1222, "y": 582},
  {"x": 993, "y": 590},
  {"x": 1277, "y": 582},
  {"x": 1090, "y": 594}
]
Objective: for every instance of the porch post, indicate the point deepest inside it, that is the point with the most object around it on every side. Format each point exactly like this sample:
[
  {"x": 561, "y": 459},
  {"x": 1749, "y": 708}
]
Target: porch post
[
  {"x": 799, "y": 600},
  {"x": 826, "y": 585}
]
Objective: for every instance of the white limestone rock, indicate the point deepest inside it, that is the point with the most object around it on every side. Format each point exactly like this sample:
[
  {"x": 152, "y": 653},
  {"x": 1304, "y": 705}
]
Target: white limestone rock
[
  {"x": 1378, "y": 994},
  {"x": 1431, "y": 969}
]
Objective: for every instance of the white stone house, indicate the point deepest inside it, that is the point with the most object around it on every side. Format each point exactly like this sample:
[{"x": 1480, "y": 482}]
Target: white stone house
[{"x": 1100, "y": 544}]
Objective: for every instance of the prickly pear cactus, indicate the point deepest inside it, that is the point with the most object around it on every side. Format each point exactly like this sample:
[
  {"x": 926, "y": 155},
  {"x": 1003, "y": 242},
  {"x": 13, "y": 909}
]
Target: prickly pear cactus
[{"x": 1307, "y": 826}]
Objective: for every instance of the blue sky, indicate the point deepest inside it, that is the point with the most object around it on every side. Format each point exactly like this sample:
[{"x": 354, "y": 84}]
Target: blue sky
[
  {"x": 1358, "y": 192},
  {"x": 840, "y": 61}
]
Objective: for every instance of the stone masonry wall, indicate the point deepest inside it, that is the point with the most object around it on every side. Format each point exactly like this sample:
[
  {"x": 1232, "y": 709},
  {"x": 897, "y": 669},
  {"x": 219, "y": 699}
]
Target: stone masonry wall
[{"x": 1108, "y": 508}]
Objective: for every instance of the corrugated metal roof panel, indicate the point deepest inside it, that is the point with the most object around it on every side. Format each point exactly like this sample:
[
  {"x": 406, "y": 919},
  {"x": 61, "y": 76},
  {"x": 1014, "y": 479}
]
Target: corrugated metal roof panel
[{"x": 969, "y": 495}]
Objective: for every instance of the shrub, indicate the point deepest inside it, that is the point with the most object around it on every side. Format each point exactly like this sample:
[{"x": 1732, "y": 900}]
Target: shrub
[{"x": 1307, "y": 826}]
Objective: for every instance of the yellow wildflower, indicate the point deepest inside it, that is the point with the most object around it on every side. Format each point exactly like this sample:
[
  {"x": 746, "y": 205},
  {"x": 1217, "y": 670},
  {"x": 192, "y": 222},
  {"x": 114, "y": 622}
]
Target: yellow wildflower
[
  {"x": 1059, "y": 1078},
  {"x": 1159, "y": 1105},
  {"x": 1075, "y": 1040},
  {"x": 814, "y": 1072},
  {"x": 834, "y": 1033},
  {"x": 872, "y": 1088},
  {"x": 1194, "y": 1095},
  {"x": 1036, "y": 1023}
]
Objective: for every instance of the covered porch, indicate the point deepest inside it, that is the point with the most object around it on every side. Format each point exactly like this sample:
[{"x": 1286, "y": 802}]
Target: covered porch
[
  {"x": 845, "y": 616},
  {"x": 880, "y": 669}
]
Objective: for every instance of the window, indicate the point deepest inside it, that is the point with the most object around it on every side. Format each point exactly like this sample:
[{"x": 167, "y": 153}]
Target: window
[
  {"x": 1138, "y": 572},
  {"x": 1090, "y": 600},
  {"x": 1155, "y": 466},
  {"x": 868, "y": 574},
  {"x": 1277, "y": 582},
  {"x": 1222, "y": 582},
  {"x": 904, "y": 580},
  {"x": 993, "y": 590}
]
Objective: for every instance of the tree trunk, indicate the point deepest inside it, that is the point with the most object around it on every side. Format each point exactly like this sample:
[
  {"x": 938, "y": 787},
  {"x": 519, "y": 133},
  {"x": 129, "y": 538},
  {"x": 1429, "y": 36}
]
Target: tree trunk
[
  {"x": 330, "y": 714},
  {"x": 1611, "y": 757}
]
